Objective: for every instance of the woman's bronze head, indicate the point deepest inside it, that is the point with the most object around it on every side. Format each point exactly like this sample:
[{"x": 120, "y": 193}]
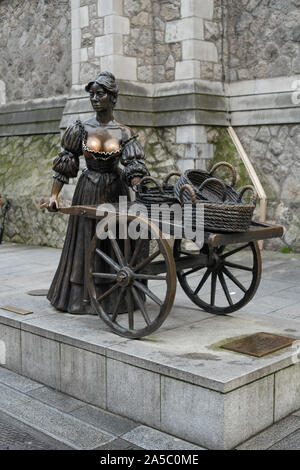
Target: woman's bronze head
[{"x": 107, "y": 82}]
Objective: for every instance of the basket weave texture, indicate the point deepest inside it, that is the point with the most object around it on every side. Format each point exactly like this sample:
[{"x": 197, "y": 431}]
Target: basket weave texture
[
  {"x": 224, "y": 209},
  {"x": 212, "y": 192},
  {"x": 157, "y": 194}
]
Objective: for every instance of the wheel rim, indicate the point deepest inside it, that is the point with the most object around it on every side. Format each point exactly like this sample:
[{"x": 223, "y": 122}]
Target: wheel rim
[
  {"x": 129, "y": 277},
  {"x": 227, "y": 283}
]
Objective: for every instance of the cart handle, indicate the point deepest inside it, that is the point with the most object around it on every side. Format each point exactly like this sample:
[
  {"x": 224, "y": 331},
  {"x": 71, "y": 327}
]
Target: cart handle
[
  {"x": 248, "y": 188},
  {"x": 215, "y": 180},
  {"x": 169, "y": 175},
  {"x": 153, "y": 180},
  {"x": 191, "y": 190},
  {"x": 233, "y": 171}
]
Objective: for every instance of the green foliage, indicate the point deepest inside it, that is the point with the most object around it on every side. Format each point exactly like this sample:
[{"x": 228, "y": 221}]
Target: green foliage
[
  {"x": 285, "y": 249},
  {"x": 226, "y": 151}
]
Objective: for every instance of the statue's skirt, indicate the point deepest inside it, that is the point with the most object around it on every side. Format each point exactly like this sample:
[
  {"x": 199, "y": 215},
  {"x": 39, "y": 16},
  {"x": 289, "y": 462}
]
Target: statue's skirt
[{"x": 68, "y": 289}]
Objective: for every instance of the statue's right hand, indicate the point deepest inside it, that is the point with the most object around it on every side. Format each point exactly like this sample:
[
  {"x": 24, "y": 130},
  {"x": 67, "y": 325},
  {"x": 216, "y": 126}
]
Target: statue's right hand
[{"x": 52, "y": 205}]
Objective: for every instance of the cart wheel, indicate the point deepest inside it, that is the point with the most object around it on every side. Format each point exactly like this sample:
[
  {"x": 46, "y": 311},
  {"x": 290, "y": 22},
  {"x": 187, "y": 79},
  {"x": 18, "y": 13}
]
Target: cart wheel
[
  {"x": 148, "y": 297},
  {"x": 226, "y": 285}
]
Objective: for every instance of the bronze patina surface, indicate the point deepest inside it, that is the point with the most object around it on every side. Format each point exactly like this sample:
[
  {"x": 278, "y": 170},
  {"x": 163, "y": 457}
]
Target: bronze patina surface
[{"x": 259, "y": 344}]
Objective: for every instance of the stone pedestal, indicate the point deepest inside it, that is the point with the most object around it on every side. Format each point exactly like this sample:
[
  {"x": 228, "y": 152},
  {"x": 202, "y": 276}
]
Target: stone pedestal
[{"x": 177, "y": 380}]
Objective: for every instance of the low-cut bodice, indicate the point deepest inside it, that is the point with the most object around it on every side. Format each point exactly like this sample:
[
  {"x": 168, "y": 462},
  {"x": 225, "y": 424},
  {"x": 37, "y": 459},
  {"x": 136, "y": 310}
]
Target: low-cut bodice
[{"x": 103, "y": 148}]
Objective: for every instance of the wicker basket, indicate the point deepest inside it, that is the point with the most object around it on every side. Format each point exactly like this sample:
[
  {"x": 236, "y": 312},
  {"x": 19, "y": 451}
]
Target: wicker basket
[
  {"x": 157, "y": 194},
  {"x": 213, "y": 192},
  {"x": 220, "y": 216}
]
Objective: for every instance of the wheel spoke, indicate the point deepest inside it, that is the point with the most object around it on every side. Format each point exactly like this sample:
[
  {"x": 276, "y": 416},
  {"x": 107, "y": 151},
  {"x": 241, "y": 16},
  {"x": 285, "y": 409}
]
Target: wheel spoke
[
  {"x": 213, "y": 288},
  {"x": 130, "y": 309},
  {"x": 238, "y": 266},
  {"x": 115, "y": 312},
  {"x": 116, "y": 249},
  {"x": 225, "y": 288},
  {"x": 191, "y": 271},
  {"x": 105, "y": 275},
  {"x": 146, "y": 261},
  {"x": 148, "y": 292},
  {"x": 138, "y": 246},
  {"x": 108, "y": 259},
  {"x": 108, "y": 292},
  {"x": 141, "y": 305},
  {"x": 203, "y": 281},
  {"x": 148, "y": 277},
  {"x": 236, "y": 250},
  {"x": 234, "y": 279},
  {"x": 127, "y": 249}
]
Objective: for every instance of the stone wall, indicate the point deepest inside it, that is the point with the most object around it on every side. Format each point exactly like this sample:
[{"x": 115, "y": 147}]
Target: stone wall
[
  {"x": 35, "y": 43},
  {"x": 263, "y": 38},
  {"x": 174, "y": 61},
  {"x": 274, "y": 152},
  {"x": 26, "y": 179},
  {"x": 148, "y": 41},
  {"x": 161, "y": 149},
  {"x": 139, "y": 42}
]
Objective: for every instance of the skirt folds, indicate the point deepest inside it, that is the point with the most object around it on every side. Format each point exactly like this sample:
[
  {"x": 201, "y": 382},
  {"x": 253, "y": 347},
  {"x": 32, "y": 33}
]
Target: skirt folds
[{"x": 68, "y": 291}]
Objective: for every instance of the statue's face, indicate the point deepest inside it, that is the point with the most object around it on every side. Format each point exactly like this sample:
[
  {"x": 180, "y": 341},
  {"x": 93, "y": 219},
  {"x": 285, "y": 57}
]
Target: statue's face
[{"x": 99, "y": 97}]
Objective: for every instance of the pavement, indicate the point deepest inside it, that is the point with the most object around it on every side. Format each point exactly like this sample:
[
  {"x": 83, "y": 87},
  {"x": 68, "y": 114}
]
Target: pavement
[{"x": 58, "y": 421}]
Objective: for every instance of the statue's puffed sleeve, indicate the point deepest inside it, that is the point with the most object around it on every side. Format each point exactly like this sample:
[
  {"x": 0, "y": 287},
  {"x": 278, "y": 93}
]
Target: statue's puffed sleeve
[
  {"x": 133, "y": 159},
  {"x": 66, "y": 164}
]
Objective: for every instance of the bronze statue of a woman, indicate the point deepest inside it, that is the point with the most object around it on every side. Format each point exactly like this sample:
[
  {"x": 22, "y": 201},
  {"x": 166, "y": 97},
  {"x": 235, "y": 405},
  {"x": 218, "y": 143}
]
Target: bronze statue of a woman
[{"x": 104, "y": 142}]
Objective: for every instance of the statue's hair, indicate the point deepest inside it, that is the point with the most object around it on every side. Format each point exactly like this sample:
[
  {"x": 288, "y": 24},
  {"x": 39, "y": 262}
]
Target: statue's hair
[{"x": 108, "y": 81}]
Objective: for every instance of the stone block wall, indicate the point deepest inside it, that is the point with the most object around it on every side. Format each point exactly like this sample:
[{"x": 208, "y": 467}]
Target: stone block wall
[
  {"x": 35, "y": 65},
  {"x": 186, "y": 70},
  {"x": 146, "y": 40},
  {"x": 26, "y": 179},
  {"x": 263, "y": 38},
  {"x": 275, "y": 154},
  {"x": 277, "y": 161},
  {"x": 35, "y": 59}
]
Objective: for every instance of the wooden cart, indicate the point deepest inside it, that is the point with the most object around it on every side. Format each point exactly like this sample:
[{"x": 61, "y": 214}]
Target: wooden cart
[{"x": 213, "y": 278}]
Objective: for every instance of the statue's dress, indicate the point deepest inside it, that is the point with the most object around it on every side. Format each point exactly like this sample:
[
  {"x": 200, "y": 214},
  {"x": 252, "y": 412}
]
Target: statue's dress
[{"x": 101, "y": 181}]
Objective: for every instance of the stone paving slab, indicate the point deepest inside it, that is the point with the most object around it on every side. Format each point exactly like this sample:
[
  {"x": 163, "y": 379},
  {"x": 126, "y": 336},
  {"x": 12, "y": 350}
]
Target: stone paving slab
[
  {"x": 61, "y": 426},
  {"x": 113, "y": 424},
  {"x": 269, "y": 303},
  {"x": 272, "y": 435},
  {"x": 291, "y": 442},
  {"x": 151, "y": 439},
  {"x": 13, "y": 437},
  {"x": 119, "y": 444},
  {"x": 268, "y": 287},
  {"x": 17, "y": 381},
  {"x": 56, "y": 399},
  {"x": 39, "y": 305}
]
